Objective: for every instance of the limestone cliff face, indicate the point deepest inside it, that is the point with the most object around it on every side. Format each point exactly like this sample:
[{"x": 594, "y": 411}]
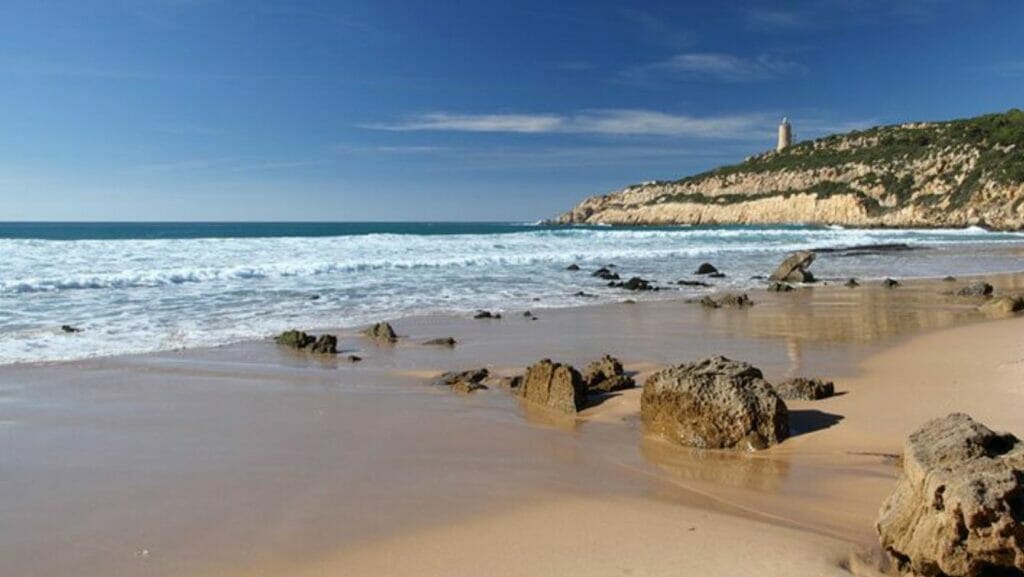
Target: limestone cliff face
[{"x": 947, "y": 174}]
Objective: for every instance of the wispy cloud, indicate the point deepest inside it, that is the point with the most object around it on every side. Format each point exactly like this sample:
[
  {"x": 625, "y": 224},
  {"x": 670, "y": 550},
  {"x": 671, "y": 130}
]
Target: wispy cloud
[
  {"x": 622, "y": 122},
  {"x": 660, "y": 31},
  {"x": 714, "y": 66},
  {"x": 1008, "y": 68}
]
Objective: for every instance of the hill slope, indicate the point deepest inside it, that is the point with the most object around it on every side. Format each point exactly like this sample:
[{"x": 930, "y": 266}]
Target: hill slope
[{"x": 931, "y": 174}]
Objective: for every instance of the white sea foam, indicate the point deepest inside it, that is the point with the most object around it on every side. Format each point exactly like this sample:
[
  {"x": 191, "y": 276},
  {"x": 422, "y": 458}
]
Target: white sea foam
[{"x": 142, "y": 295}]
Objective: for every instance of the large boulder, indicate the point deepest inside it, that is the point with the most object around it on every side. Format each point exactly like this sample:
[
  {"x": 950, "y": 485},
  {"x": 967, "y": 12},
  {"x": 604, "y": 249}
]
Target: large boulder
[
  {"x": 716, "y": 403},
  {"x": 801, "y": 389},
  {"x": 381, "y": 332},
  {"x": 553, "y": 385},
  {"x": 1004, "y": 305},
  {"x": 706, "y": 268},
  {"x": 606, "y": 375},
  {"x": 794, "y": 268},
  {"x": 958, "y": 505}
]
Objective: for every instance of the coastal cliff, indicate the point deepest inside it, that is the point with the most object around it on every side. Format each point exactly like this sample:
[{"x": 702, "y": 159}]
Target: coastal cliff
[{"x": 930, "y": 174}]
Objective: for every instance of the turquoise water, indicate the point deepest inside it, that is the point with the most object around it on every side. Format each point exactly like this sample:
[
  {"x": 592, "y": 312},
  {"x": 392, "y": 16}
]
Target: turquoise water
[{"x": 143, "y": 287}]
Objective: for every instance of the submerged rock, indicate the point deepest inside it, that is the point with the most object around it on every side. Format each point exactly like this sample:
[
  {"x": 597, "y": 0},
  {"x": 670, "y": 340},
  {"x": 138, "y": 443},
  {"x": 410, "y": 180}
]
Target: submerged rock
[
  {"x": 716, "y": 403},
  {"x": 801, "y": 389},
  {"x": 441, "y": 342},
  {"x": 325, "y": 345},
  {"x": 573, "y": 267},
  {"x": 486, "y": 315},
  {"x": 294, "y": 339},
  {"x": 381, "y": 332},
  {"x": 70, "y": 329},
  {"x": 779, "y": 287},
  {"x": 706, "y": 268},
  {"x": 726, "y": 300},
  {"x": 980, "y": 289},
  {"x": 606, "y": 375},
  {"x": 794, "y": 268},
  {"x": 553, "y": 385},
  {"x": 958, "y": 506},
  {"x": 693, "y": 283},
  {"x": 634, "y": 284},
  {"x": 465, "y": 381}
]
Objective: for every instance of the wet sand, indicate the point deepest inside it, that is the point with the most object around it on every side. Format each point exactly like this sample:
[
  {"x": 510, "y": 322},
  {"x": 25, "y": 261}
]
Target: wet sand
[{"x": 254, "y": 460}]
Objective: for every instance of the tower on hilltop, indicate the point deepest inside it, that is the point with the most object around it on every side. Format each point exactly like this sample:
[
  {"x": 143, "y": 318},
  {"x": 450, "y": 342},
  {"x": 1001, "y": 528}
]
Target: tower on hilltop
[{"x": 785, "y": 135}]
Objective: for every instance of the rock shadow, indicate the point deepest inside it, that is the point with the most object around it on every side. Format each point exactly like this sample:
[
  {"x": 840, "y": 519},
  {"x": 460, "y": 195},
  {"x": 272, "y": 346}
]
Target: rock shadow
[{"x": 805, "y": 421}]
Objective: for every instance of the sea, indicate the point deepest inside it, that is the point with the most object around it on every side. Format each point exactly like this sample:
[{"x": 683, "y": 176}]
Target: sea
[{"x": 141, "y": 287}]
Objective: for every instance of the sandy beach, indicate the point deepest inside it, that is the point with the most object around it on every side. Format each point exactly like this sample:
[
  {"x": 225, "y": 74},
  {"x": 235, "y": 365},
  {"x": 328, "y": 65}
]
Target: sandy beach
[{"x": 251, "y": 459}]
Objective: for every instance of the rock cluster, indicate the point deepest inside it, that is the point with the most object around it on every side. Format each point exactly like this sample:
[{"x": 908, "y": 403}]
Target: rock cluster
[
  {"x": 801, "y": 389},
  {"x": 605, "y": 273},
  {"x": 634, "y": 284},
  {"x": 606, "y": 375},
  {"x": 958, "y": 507},
  {"x": 716, "y": 403},
  {"x": 325, "y": 344},
  {"x": 794, "y": 268},
  {"x": 980, "y": 289},
  {"x": 1004, "y": 305},
  {"x": 486, "y": 315}
]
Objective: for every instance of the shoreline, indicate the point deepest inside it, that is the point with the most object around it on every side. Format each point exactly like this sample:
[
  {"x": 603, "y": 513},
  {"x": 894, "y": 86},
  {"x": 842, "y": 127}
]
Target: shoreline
[{"x": 251, "y": 459}]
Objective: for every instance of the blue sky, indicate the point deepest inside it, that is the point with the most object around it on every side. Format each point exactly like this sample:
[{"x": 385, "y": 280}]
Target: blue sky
[{"x": 513, "y": 110}]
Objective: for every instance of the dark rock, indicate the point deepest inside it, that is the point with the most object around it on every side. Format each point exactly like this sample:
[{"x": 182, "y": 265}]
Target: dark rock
[
  {"x": 527, "y": 314},
  {"x": 511, "y": 382},
  {"x": 801, "y": 389},
  {"x": 294, "y": 339},
  {"x": 354, "y": 358},
  {"x": 325, "y": 345},
  {"x": 852, "y": 283},
  {"x": 958, "y": 505},
  {"x": 441, "y": 342},
  {"x": 583, "y": 294},
  {"x": 314, "y": 297},
  {"x": 70, "y": 329},
  {"x": 605, "y": 274},
  {"x": 606, "y": 375},
  {"x": 716, "y": 403},
  {"x": 706, "y": 268},
  {"x": 381, "y": 332},
  {"x": 794, "y": 268},
  {"x": 980, "y": 289},
  {"x": 573, "y": 267},
  {"x": 717, "y": 275},
  {"x": 465, "y": 381},
  {"x": 554, "y": 385},
  {"x": 486, "y": 315},
  {"x": 629, "y": 302},
  {"x": 949, "y": 279},
  {"x": 693, "y": 283},
  {"x": 779, "y": 287},
  {"x": 890, "y": 283}
]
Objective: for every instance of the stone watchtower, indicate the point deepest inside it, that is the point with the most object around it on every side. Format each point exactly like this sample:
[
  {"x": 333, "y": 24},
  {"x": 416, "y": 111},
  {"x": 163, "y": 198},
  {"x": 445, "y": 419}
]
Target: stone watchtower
[{"x": 785, "y": 135}]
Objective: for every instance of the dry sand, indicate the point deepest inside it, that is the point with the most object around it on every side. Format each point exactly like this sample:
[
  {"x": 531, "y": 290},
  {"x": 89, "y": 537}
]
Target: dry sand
[{"x": 252, "y": 460}]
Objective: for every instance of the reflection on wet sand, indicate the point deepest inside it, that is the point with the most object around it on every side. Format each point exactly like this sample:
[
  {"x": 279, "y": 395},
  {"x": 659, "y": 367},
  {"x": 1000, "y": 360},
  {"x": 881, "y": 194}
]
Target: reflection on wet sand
[{"x": 755, "y": 471}]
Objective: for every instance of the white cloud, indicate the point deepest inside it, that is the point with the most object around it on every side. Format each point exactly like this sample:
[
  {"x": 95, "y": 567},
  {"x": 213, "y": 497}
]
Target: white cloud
[
  {"x": 714, "y": 66},
  {"x": 608, "y": 122}
]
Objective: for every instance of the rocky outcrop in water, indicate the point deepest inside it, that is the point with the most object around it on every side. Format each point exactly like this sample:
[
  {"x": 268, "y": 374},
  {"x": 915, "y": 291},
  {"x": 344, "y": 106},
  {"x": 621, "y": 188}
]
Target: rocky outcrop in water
[
  {"x": 553, "y": 385},
  {"x": 794, "y": 268},
  {"x": 928, "y": 174},
  {"x": 382, "y": 333},
  {"x": 716, "y": 403},
  {"x": 959, "y": 503},
  {"x": 728, "y": 300},
  {"x": 294, "y": 339},
  {"x": 325, "y": 345},
  {"x": 465, "y": 382}
]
